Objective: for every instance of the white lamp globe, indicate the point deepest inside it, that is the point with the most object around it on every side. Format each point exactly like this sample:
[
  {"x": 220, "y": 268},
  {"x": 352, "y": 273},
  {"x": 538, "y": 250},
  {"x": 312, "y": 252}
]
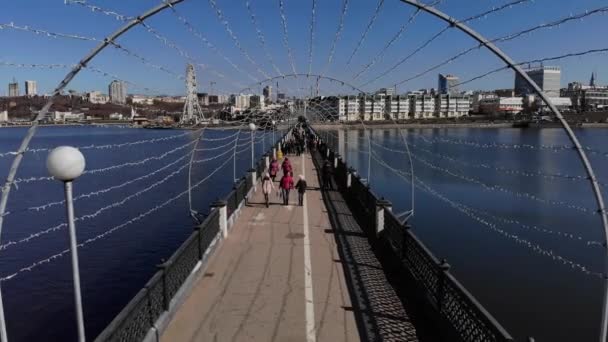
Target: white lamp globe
[
  {"x": 252, "y": 126},
  {"x": 65, "y": 163},
  {"x": 274, "y": 122}
]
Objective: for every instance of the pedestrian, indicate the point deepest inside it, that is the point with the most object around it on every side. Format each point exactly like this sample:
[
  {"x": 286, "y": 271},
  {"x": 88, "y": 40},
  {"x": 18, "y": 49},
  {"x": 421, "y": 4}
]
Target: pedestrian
[
  {"x": 274, "y": 169},
  {"x": 326, "y": 176},
  {"x": 286, "y": 166},
  {"x": 267, "y": 188},
  {"x": 286, "y": 186},
  {"x": 301, "y": 187}
]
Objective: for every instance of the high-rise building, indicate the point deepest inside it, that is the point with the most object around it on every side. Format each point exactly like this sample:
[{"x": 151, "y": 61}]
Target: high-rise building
[
  {"x": 13, "y": 89},
  {"x": 548, "y": 78},
  {"x": 448, "y": 84},
  {"x": 31, "y": 88},
  {"x": 118, "y": 92},
  {"x": 386, "y": 91},
  {"x": 267, "y": 92}
]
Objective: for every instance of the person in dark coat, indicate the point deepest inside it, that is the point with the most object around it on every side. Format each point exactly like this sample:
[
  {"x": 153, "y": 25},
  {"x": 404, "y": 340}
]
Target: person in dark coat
[
  {"x": 326, "y": 176},
  {"x": 301, "y": 187}
]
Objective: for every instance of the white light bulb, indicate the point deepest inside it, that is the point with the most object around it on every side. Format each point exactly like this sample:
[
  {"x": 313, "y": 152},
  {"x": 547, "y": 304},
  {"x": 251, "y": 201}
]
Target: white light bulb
[{"x": 65, "y": 163}]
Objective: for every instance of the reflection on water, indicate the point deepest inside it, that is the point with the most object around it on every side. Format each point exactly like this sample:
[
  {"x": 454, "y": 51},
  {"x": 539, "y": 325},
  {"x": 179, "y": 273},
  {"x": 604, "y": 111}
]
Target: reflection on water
[
  {"x": 39, "y": 303},
  {"x": 501, "y": 260}
]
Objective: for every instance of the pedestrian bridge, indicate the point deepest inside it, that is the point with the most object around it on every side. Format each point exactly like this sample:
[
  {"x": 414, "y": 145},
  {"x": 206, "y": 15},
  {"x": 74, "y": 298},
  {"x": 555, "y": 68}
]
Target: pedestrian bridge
[{"x": 341, "y": 267}]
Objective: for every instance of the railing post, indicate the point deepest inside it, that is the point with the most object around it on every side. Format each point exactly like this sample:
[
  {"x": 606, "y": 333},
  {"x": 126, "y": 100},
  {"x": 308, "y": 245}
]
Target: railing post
[
  {"x": 404, "y": 242},
  {"x": 222, "y": 206},
  {"x": 443, "y": 268},
  {"x": 252, "y": 177},
  {"x": 267, "y": 161},
  {"x": 274, "y": 152},
  {"x": 163, "y": 268},
  {"x": 336, "y": 156},
  {"x": 381, "y": 205},
  {"x": 198, "y": 231},
  {"x": 349, "y": 177}
]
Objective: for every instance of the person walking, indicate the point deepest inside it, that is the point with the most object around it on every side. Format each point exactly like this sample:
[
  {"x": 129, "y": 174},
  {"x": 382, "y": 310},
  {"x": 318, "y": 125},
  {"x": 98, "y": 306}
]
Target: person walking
[
  {"x": 286, "y": 166},
  {"x": 326, "y": 176},
  {"x": 301, "y": 187},
  {"x": 274, "y": 169},
  {"x": 267, "y": 188},
  {"x": 286, "y": 186}
]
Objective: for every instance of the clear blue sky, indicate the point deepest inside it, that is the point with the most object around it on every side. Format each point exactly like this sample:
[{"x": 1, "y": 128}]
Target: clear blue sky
[{"x": 53, "y": 15}]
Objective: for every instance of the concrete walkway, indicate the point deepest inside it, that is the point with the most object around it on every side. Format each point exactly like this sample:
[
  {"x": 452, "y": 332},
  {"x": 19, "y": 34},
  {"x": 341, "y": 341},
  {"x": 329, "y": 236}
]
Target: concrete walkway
[{"x": 277, "y": 277}]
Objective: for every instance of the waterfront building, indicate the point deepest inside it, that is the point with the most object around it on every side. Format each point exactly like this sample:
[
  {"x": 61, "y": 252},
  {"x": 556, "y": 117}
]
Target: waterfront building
[
  {"x": 586, "y": 98},
  {"x": 257, "y": 101},
  {"x": 365, "y": 107},
  {"x": 58, "y": 116},
  {"x": 501, "y": 105},
  {"x": 537, "y": 103},
  {"x": 203, "y": 99},
  {"x": 372, "y": 107},
  {"x": 31, "y": 88},
  {"x": 13, "y": 89},
  {"x": 477, "y": 98},
  {"x": 97, "y": 97},
  {"x": 4, "y": 116},
  {"x": 451, "y": 106},
  {"x": 397, "y": 107},
  {"x": 548, "y": 79},
  {"x": 281, "y": 97},
  {"x": 267, "y": 92},
  {"x": 219, "y": 99},
  {"x": 141, "y": 99},
  {"x": 352, "y": 108},
  {"x": 386, "y": 91},
  {"x": 240, "y": 102},
  {"x": 118, "y": 92},
  {"x": 447, "y": 84},
  {"x": 422, "y": 106}
]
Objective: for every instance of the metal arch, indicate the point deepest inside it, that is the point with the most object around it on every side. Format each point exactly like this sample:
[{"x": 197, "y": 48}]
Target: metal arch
[
  {"x": 571, "y": 135},
  {"x": 43, "y": 112}
]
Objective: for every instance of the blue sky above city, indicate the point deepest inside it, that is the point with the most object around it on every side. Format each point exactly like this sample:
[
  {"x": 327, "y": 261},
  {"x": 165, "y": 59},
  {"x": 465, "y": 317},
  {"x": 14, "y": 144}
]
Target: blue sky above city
[{"x": 55, "y": 16}]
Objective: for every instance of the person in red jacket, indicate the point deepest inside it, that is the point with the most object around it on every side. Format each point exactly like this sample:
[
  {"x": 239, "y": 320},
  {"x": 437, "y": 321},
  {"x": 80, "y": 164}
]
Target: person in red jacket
[
  {"x": 286, "y": 186},
  {"x": 286, "y": 166}
]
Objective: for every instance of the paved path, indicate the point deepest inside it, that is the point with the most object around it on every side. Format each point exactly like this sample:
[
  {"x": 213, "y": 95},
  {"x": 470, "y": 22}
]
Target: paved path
[{"x": 277, "y": 277}]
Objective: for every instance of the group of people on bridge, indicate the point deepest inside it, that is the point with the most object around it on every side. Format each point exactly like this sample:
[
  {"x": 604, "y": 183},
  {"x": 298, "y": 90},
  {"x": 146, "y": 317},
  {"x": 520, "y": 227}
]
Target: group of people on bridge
[{"x": 295, "y": 143}]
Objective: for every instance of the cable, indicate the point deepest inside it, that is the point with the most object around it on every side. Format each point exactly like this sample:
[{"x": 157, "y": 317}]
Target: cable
[
  {"x": 286, "y": 35},
  {"x": 367, "y": 29}
]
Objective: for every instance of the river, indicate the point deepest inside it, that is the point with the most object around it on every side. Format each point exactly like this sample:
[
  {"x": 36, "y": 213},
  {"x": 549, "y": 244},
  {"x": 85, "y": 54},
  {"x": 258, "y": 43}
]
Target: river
[
  {"x": 39, "y": 303},
  {"x": 509, "y": 209},
  {"x": 502, "y": 206}
]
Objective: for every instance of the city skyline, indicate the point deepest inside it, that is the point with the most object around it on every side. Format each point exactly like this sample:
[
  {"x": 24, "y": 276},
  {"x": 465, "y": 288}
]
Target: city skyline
[{"x": 542, "y": 43}]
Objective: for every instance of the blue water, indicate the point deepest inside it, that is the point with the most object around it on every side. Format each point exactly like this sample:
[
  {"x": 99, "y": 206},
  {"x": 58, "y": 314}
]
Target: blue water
[
  {"x": 529, "y": 292},
  {"x": 39, "y": 303}
]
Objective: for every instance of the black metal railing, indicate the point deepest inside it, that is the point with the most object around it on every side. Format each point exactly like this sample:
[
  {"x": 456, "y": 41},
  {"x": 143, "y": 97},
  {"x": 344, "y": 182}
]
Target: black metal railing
[
  {"x": 134, "y": 322},
  {"x": 138, "y": 317},
  {"x": 459, "y": 315}
]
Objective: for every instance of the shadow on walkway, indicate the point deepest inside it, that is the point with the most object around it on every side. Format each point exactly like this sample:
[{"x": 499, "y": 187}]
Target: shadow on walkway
[{"x": 377, "y": 291}]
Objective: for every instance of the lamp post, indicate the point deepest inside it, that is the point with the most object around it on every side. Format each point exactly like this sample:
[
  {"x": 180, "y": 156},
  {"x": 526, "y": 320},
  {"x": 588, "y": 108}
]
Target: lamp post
[
  {"x": 273, "y": 129},
  {"x": 274, "y": 142},
  {"x": 252, "y": 128},
  {"x": 66, "y": 163}
]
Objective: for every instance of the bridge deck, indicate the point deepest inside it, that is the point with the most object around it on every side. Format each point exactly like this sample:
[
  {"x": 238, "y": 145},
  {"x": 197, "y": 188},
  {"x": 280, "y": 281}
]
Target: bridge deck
[{"x": 279, "y": 277}]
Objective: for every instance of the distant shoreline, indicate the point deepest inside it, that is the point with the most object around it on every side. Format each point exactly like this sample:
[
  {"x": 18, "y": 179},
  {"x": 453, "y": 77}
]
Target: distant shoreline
[{"x": 447, "y": 125}]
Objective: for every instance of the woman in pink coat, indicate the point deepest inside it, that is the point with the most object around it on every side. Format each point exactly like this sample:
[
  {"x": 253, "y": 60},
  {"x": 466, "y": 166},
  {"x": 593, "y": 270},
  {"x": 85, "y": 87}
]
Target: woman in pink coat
[{"x": 274, "y": 169}]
